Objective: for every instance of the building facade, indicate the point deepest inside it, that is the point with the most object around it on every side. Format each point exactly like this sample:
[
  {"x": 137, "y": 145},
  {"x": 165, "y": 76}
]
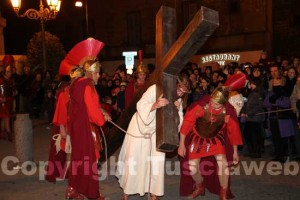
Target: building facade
[{"x": 245, "y": 25}]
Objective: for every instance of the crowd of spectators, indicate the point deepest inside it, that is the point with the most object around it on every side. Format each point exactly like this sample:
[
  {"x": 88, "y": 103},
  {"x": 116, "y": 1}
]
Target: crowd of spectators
[{"x": 267, "y": 107}]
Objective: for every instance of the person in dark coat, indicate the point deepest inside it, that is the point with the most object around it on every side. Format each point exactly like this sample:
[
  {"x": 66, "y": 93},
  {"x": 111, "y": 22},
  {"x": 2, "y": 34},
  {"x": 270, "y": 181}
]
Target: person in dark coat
[
  {"x": 290, "y": 80},
  {"x": 251, "y": 110},
  {"x": 24, "y": 88},
  {"x": 37, "y": 95}
]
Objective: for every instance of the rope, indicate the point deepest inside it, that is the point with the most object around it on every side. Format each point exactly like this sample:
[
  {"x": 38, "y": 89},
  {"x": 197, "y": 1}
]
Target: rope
[
  {"x": 55, "y": 137},
  {"x": 275, "y": 111},
  {"x": 105, "y": 148},
  {"x": 150, "y": 170},
  {"x": 145, "y": 136}
]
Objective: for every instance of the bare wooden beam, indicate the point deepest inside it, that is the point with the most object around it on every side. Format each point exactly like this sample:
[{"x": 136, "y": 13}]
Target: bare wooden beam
[
  {"x": 194, "y": 36},
  {"x": 165, "y": 37}
]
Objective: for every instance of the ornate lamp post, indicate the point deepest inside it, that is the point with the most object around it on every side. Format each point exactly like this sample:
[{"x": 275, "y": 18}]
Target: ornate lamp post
[
  {"x": 78, "y": 3},
  {"x": 43, "y": 14}
]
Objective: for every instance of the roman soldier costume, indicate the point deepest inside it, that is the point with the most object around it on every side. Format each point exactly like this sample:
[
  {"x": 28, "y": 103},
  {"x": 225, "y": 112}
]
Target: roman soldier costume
[
  {"x": 7, "y": 91},
  {"x": 210, "y": 131},
  {"x": 84, "y": 120},
  {"x": 208, "y": 134},
  {"x": 134, "y": 86}
]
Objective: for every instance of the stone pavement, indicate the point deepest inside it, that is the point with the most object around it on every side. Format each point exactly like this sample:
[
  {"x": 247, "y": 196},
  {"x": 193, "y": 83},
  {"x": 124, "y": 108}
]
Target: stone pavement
[{"x": 272, "y": 180}]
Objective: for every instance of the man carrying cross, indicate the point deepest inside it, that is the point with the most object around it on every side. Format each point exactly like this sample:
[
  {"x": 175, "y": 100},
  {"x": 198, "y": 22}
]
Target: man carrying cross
[
  {"x": 140, "y": 166},
  {"x": 171, "y": 56}
]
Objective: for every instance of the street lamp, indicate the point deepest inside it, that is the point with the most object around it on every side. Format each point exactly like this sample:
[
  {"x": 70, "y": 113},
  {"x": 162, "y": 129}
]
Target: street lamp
[
  {"x": 44, "y": 14},
  {"x": 78, "y": 3}
]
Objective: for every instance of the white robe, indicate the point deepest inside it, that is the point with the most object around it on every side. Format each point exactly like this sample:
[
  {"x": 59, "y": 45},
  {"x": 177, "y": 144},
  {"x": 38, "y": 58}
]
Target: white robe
[{"x": 138, "y": 156}]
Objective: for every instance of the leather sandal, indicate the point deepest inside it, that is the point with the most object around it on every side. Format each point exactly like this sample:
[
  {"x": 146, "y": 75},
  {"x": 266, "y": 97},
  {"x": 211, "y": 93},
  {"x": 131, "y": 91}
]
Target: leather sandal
[
  {"x": 71, "y": 193},
  {"x": 153, "y": 197},
  {"x": 125, "y": 197},
  {"x": 199, "y": 191},
  {"x": 101, "y": 197},
  {"x": 223, "y": 192}
]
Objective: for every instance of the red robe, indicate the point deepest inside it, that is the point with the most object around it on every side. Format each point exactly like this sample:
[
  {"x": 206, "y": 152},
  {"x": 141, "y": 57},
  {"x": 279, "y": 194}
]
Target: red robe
[
  {"x": 7, "y": 88},
  {"x": 56, "y": 163},
  {"x": 233, "y": 137},
  {"x": 131, "y": 89},
  {"x": 84, "y": 110}
]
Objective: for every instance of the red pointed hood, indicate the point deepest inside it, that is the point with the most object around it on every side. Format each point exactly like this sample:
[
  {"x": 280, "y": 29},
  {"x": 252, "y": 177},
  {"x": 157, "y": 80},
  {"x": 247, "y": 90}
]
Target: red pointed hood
[{"x": 236, "y": 81}]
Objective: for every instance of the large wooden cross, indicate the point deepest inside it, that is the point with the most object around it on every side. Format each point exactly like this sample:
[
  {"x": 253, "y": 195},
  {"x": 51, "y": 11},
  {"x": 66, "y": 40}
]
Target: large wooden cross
[{"x": 171, "y": 57}]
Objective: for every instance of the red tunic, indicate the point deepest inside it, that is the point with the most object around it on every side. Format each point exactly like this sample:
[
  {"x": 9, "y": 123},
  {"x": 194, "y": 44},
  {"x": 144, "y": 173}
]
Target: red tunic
[
  {"x": 57, "y": 160},
  {"x": 95, "y": 115},
  {"x": 84, "y": 109},
  {"x": 208, "y": 163},
  {"x": 61, "y": 109},
  {"x": 231, "y": 127}
]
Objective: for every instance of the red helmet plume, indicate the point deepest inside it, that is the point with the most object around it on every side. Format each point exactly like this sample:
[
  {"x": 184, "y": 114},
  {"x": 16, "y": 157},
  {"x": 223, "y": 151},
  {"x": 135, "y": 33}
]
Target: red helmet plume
[{"x": 85, "y": 50}]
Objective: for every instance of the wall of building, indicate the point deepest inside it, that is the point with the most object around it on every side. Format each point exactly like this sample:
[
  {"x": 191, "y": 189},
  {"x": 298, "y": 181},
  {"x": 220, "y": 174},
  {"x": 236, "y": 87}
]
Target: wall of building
[
  {"x": 286, "y": 17},
  {"x": 2, "y": 26},
  {"x": 270, "y": 25},
  {"x": 243, "y": 24}
]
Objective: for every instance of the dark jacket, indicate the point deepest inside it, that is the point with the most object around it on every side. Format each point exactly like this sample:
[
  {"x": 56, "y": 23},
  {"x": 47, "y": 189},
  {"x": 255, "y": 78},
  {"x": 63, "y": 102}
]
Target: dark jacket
[{"x": 253, "y": 106}]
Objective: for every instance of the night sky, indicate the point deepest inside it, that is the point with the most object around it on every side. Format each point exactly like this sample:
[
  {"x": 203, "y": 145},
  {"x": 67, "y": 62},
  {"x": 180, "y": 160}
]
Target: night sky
[{"x": 19, "y": 31}]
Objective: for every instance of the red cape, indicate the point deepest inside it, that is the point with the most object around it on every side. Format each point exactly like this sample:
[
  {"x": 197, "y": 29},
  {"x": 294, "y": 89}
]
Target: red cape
[{"x": 83, "y": 173}]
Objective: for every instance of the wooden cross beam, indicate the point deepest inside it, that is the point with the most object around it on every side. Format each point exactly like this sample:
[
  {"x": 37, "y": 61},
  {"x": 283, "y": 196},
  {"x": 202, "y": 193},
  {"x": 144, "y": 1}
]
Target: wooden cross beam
[
  {"x": 171, "y": 57},
  {"x": 173, "y": 61}
]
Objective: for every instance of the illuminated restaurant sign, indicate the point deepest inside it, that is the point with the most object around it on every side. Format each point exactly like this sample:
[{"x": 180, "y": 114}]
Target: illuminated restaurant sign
[{"x": 221, "y": 58}]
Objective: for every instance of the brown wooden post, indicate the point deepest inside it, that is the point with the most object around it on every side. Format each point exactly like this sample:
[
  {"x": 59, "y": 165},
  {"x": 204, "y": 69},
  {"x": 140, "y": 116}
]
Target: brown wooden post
[
  {"x": 171, "y": 57},
  {"x": 194, "y": 36},
  {"x": 165, "y": 37}
]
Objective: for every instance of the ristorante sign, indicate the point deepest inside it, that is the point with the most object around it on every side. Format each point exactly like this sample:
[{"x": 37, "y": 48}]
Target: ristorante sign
[{"x": 220, "y": 58}]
